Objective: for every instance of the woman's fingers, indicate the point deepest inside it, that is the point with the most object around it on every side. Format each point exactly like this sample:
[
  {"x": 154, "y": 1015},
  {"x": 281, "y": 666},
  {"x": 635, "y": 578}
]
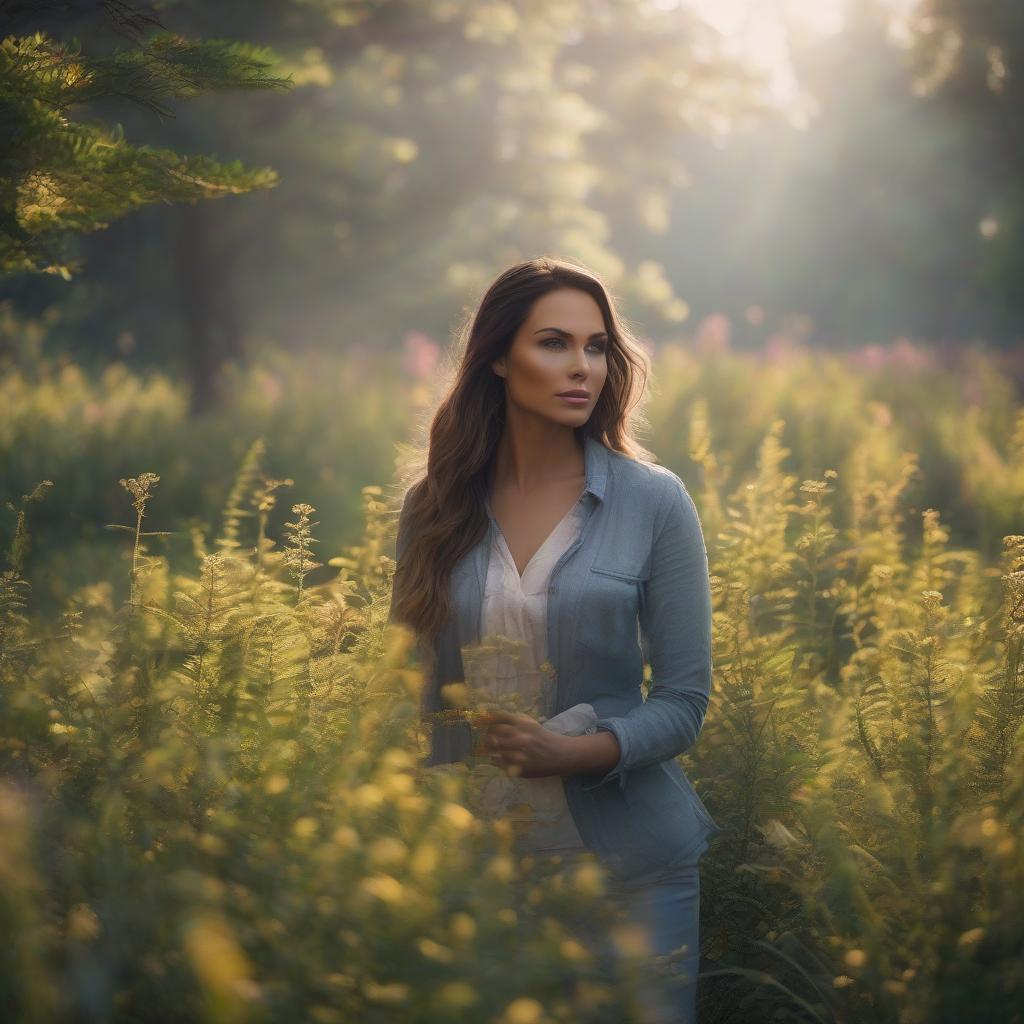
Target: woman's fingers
[
  {"x": 506, "y": 748},
  {"x": 499, "y": 715},
  {"x": 500, "y": 736},
  {"x": 503, "y": 729},
  {"x": 505, "y": 741}
]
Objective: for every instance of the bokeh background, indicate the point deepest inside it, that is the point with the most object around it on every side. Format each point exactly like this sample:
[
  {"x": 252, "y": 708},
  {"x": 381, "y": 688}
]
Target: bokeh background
[
  {"x": 236, "y": 243},
  {"x": 753, "y": 180}
]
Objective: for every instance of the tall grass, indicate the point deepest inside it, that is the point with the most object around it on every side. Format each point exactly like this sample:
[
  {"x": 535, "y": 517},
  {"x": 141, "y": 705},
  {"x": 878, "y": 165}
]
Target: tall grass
[
  {"x": 213, "y": 809},
  {"x": 332, "y": 423},
  {"x": 211, "y": 804}
]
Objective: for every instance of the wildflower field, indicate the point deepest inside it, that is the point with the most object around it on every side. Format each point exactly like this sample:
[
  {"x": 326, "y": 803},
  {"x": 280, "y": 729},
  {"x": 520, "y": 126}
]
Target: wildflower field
[{"x": 211, "y": 806}]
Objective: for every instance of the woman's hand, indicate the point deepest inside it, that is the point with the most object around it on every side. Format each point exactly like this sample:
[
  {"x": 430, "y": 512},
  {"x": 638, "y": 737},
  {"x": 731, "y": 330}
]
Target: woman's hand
[{"x": 523, "y": 747}]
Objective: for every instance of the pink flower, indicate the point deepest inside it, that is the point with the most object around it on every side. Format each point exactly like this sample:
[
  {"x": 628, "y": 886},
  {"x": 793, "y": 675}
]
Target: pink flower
[
  {"x": 907, "y": 356},
  {"x": 713, "y": 335},
  {"x": 271, "y": 387},
  {"x": 778, "y": 346},
  {"x": 420, "y": 355},
  {"x": 868, "y": 357}
]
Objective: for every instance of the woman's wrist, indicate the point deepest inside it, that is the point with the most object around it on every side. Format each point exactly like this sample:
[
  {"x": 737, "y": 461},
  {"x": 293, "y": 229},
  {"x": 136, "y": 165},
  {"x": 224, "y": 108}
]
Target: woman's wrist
[{"x": 589, "y": 754}]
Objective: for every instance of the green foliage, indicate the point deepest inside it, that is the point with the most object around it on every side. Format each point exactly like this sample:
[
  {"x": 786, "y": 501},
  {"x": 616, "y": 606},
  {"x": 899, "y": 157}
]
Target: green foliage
[
  {"x": 13, "y": 586},
  {"x": 228, "y": 843},
  {"x": 939, "y": 436},
  {"x": 211, "y": 789},
  {"x": 865, "y": 746},
  {"x": 59, "y": 177},
  {"x": 416, "y": 135}
]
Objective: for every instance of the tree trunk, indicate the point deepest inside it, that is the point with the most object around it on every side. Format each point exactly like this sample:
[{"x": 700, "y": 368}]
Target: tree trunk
[{"x": 210, "y": 318}]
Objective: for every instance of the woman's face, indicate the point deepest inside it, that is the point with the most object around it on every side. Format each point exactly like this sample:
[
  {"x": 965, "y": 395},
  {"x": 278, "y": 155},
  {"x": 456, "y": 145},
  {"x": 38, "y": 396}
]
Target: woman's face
[{"x": 561, "y": 346}]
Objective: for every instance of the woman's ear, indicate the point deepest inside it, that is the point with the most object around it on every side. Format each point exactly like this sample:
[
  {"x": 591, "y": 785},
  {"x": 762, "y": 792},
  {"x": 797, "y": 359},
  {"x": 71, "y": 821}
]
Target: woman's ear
[{"x": 499, "y": 366}]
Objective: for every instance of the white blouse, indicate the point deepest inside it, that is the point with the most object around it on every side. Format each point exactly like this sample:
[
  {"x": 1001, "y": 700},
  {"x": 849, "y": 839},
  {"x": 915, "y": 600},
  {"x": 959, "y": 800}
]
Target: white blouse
[{"x": 509, "y": 668}]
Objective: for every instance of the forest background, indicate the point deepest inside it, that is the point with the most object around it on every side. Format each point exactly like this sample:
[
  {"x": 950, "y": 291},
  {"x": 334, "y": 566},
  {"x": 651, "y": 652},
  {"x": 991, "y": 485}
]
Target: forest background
[{"x": 235, "y": 243}]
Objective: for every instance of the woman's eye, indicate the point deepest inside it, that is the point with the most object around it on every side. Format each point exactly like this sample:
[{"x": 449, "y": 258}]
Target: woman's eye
[{"x": 601, "y": 347}]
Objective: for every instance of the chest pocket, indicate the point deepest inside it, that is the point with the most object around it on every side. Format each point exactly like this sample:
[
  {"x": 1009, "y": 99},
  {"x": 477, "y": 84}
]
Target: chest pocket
[{"x": 607, "y": 622}]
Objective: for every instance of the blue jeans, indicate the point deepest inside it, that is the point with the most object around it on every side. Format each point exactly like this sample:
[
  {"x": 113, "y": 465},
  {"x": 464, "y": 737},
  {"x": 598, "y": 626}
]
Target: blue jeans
[{"x": 666, "y": 916}]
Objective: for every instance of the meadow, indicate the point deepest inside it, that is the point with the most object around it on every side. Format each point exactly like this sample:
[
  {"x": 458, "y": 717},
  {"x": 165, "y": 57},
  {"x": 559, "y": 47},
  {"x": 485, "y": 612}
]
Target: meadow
[{"x": 211, "y": 805}]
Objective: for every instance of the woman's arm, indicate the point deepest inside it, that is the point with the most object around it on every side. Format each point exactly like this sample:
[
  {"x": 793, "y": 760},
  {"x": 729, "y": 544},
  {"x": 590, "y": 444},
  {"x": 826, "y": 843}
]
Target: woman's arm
[
  {"x": 587, "y": 751},
  {"x": 589, "y": 754},
  {"x": 676, "y": 619},
  {"x": 520, "y": 742}
]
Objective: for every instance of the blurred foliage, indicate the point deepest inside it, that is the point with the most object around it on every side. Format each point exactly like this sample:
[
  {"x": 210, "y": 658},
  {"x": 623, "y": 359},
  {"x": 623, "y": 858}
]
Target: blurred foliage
[
  {"x": 970, "y": 57},
  {"x": 425, "y": 146},
  {"x": 948, "y": 421},
  {"x": 213, "y": 803},
  {"x": 211, "y": 810}
]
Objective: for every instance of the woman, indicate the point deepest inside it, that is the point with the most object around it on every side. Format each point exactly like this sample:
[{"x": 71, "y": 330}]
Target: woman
[{"x": 542, "y": 559}]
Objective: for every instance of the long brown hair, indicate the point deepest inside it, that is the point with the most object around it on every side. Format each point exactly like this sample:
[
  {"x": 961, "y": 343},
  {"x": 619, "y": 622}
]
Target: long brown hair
[{"x": 444, "y": 514}]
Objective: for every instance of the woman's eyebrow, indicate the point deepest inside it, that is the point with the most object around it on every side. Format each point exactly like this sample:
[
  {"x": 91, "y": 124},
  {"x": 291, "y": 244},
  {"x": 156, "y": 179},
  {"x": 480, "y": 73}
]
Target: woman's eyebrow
[{"x": 567, "y": 334}]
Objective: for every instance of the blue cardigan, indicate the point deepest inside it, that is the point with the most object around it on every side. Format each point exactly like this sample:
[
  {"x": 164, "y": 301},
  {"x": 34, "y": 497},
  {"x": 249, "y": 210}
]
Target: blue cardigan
[{"x": 633, "y": 587}]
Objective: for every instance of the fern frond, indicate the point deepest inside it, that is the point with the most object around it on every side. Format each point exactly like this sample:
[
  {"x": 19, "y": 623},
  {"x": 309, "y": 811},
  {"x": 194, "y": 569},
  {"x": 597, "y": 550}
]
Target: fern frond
[{"x": 241, "y": 489}]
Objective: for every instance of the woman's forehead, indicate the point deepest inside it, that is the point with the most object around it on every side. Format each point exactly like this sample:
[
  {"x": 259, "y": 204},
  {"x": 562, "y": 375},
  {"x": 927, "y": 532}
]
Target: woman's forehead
[{"x": 568, "y": 310}]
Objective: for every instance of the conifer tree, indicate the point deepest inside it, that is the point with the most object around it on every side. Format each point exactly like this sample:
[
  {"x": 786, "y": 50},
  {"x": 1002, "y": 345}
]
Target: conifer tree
[{"x": 60, "y": 177}]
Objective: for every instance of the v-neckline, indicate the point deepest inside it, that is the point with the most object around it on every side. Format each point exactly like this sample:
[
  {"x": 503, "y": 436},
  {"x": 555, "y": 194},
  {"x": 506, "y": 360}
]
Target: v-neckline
[{"x": 543, "y": 544}]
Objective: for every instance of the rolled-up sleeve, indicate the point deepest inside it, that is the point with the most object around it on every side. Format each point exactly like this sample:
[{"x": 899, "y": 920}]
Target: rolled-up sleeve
[{"x": 675, "y": 622}]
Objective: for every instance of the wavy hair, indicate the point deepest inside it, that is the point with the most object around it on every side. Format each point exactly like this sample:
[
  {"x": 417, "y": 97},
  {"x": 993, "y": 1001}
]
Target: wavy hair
[{"x": 443, "y": 514}]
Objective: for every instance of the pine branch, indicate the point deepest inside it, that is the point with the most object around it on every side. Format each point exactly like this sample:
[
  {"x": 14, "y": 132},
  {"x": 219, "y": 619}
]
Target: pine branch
[{"x": 59, "y": 177}]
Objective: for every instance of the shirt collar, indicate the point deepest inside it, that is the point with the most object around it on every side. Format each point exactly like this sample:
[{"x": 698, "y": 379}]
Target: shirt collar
[{"x": 595, "y": 460}]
